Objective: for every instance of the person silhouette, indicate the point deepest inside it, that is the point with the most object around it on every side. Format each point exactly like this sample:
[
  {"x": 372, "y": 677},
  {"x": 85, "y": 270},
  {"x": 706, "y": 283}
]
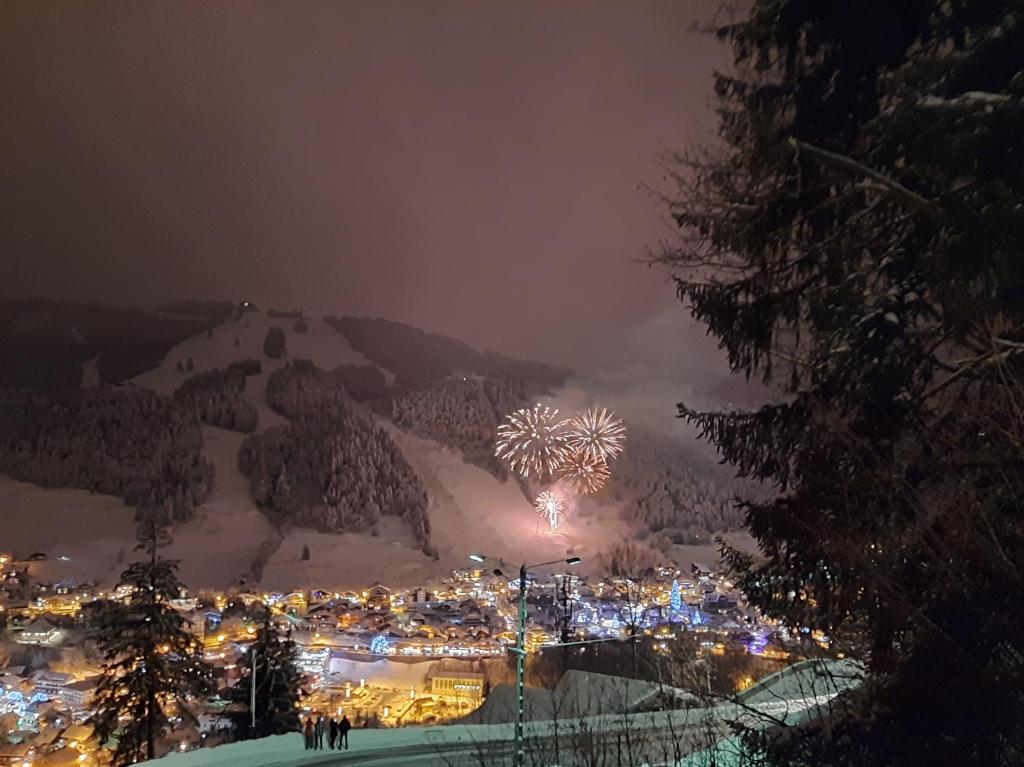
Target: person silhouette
[
  {"x": 343, "y": 727},
  {"x": 307, "y": 730},
  {"x": 332, "y": 733}
]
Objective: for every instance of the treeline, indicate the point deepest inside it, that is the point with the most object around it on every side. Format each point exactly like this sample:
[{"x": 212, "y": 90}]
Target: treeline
[
  {"x": 662, "y": 494},
  {"x": 361, "y": 382},
  {"x": 125, "y": 442},
  {"x": 331, "y": 468},
  {"x": 629, "y": 559},
  {"x": 43, "y": 344},
  {"x": 216, "y": 397},
  {"x": 463, "y": 413},
  {"x": 418, "y": 358}
]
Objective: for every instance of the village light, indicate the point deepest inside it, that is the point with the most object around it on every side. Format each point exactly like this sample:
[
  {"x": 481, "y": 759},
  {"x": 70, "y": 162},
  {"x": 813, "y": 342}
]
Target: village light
[{"x": 518, "y": 755}]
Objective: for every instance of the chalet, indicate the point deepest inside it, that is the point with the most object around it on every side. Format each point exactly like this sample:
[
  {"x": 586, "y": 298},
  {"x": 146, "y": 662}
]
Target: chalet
[
  {"x": 716, "y": 602},
  {"x": 51, "y": 683},
  {"x": 41, "y": 631},
  {"x": 419, "y": 596},
  {"x": 78, "y": 694},
  {"x": 701, "y": 570},
  {"x": 378, "y": 598}
]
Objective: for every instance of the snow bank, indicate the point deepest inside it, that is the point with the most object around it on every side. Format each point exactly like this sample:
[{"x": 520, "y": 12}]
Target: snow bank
[{"x": 93, "y": 531}]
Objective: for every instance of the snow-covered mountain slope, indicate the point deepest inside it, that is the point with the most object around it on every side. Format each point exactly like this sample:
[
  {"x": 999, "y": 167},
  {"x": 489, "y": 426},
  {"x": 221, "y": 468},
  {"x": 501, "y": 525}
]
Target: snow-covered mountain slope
[
  {"x": 229, "y": 539},
  {"x": 470, "y": 510},
  {"x": 85, "y": 536},
  {"x": 242, "y": 338}
]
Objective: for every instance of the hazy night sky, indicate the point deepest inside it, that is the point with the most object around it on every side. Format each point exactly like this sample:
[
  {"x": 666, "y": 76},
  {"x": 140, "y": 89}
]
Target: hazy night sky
[{"x": 471, "y": 168}]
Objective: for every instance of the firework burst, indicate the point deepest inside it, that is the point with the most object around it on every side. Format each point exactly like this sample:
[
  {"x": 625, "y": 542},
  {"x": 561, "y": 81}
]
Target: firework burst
[
  {"x": 549, "y": 505},
  {"x": 533, "y": 441},
  {"x": 586, "y": 472},
  {"x": 596, "y": 432}
]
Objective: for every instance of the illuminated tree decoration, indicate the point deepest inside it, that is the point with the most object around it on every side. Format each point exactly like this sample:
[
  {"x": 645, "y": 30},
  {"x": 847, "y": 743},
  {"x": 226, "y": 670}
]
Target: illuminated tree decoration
[
  {"x": 380, "y": 645},
  {"x": 532, "y": 441},
  {"x": 675, "y": 600}
]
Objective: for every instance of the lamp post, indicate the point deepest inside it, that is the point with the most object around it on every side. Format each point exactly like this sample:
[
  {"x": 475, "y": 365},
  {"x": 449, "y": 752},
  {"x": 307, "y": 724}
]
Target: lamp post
[
  {"x": 252, "y": 691},
  {"x": 520, "y": 648}
]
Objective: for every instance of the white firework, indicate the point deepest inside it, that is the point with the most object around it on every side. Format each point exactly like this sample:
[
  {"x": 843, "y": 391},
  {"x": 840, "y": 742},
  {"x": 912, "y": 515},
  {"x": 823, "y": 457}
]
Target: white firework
[
  {"x": 533, "y": 441},
  {"x": 550, "y": 506},
  {"x": 597, "y": 433}
]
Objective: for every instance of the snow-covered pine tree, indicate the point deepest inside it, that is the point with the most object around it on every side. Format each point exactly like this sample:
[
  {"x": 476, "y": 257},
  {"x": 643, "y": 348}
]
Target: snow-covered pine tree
[
  {"x": 278, "y": 684},
  {"x": 856, "y": 240},
  {"x": 152, "y": 665}
]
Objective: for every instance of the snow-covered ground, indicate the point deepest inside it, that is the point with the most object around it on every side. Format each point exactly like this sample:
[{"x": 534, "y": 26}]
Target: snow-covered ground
[
  {"x": 321, "y": 343},
  {"x": 684, "y": 555},
  {"x": 94, "y": 532},
  {"x": 692, "y": 736},
  {"x": 218, "y": 545},
  {"x": 470, "y": 510}
]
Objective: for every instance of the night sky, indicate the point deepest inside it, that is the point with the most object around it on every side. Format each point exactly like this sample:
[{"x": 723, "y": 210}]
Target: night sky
[{"x": 471, "y": 168}]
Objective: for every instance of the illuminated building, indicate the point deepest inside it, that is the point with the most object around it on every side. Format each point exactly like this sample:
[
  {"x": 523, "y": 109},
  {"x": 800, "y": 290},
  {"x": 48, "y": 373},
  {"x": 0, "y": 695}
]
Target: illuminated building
[{"x": 459, "y": 684}]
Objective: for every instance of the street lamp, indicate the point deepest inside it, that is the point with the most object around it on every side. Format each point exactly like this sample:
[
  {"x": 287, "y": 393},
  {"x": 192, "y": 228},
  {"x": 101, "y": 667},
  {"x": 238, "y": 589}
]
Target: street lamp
[{"x": 520, "y": 648}]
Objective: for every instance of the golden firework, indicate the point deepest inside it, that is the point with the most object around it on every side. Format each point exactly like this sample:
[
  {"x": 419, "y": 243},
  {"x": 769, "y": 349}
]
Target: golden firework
[{"x": 585, "y": 472}]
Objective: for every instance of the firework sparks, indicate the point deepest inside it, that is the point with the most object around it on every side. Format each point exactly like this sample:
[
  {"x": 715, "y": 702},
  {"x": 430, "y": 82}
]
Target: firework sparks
[
  {"x": 586, "y": 472},
  {"x": 550, "y": 506},
  {"x": 596, "y": 432},
  {"x": 533, "y": 441}
]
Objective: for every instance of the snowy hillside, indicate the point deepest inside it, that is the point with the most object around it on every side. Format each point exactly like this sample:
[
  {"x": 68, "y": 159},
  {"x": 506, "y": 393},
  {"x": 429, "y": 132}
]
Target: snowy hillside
[
  {"x": 226, "y": 539},
  {"x": 94, "y": 532},
  {"x": 242, "y": 338},
  {"x": 470, "y": 510}
]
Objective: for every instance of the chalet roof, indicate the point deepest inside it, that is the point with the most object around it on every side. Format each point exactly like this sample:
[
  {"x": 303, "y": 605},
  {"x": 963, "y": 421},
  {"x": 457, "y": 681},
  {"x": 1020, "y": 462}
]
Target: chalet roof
[
  {"x": 41, "y": 625},
  {"x": 84, "y": 685},
  {"x": 52, "y": 677},
  {"x": 79, "y": 732}
]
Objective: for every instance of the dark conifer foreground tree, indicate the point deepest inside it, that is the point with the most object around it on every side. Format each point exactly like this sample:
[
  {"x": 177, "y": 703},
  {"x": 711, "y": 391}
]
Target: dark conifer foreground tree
[
  {"x": 153, "y": 668},
  {"x": 278, "y": 685},
  {"x": 857, "y": 240}
]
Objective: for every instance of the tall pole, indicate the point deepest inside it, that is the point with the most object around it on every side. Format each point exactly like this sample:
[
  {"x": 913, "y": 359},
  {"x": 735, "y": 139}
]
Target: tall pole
[
  {"x": 252, "y": 692},
  {"x": 518, "y": 760}
]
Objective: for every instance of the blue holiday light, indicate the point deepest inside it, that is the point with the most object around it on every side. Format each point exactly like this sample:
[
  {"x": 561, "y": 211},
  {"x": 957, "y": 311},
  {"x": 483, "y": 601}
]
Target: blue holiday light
[{"x": 380, "y": 645}]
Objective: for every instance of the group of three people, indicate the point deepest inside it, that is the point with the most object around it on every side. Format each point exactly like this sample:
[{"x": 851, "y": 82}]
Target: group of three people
[{"x": 336, "y": 732}]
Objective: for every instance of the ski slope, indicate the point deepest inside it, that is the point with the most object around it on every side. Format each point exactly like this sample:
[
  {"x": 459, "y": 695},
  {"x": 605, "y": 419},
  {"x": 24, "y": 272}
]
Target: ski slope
[
  {"x": 470, "y": 510},
  {"x": 326, "y": 347},
  {"x": 96, "y": 533}
]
